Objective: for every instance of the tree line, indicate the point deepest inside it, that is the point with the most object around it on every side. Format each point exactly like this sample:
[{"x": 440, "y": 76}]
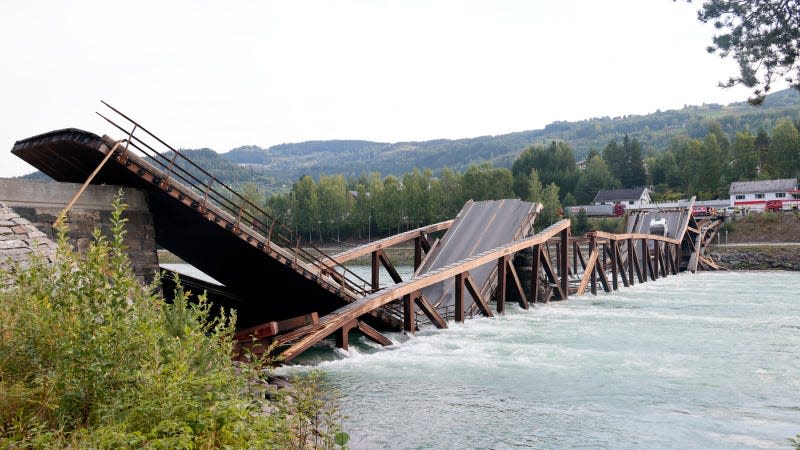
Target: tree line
[{"x": 335, "y": 208}]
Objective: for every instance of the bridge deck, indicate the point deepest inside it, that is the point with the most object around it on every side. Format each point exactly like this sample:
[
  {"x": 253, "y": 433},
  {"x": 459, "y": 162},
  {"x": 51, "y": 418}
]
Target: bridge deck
[{"x": 276, "y": 282}]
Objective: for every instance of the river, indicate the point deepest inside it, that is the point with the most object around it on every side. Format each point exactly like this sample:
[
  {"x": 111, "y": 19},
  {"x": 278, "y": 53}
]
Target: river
[{"x": 699, "y": 361}]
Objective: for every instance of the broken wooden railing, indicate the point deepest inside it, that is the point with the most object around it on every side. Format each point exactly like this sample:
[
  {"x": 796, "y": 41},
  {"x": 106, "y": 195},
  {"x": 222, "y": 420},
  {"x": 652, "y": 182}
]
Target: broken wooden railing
[{"x": 348, "y": 317}]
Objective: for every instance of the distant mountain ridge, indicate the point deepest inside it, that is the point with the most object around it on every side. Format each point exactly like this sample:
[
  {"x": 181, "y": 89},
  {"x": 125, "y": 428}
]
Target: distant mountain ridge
[{"x": 278, "y": 166}]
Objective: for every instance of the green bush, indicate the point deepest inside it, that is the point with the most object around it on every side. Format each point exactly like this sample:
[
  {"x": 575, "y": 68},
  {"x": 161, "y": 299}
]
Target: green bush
[{"x": 91, "y": 358}]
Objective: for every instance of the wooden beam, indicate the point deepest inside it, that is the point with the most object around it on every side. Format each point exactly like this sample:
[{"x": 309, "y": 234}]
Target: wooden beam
[
  {"x": 376, "y": 270},
  {"x": 621, "y": 265},
  {"x": 473, "y": 289},
  {"x": 417, "y": 252},
  {"x": 547, "y": 266},
  {"x": 523, "y": 299},
  {"x": 390, "y": 241},
  {"x": 343, "y": 335},
  {"x": 633, "y": 259},
  {"x": 603, "y": 279},
  {"x": 536, "y": 265},
  {"x": 501, "y": 284},
  {"x": 409, "y": 318},
  {"x": 459, "y": 294},
  {"x": 630, "y": 260},
  {"x": 297, "y": 322},
  {"x": 375, "y": 300},
  {"x": 587, "y": 273},
  {"x": 593, "y": 253},
  {"x": 430, "y": 311},
  {"x": 564, "y": 262},
  {"x": 261, "y": 331},
  {"x": 389, "y": 267},
  {"x": 612, "y": 249},
  {"x": 580, "y": 257},
  {"x": 372, "y": 334}
]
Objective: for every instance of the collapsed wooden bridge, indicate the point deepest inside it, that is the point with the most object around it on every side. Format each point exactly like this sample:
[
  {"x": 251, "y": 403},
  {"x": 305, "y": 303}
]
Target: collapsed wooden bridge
[{"x": 291, "y": 296}]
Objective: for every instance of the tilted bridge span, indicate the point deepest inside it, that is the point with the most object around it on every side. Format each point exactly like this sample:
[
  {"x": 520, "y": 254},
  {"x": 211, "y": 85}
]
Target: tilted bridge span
[{"x": 290, "y": 295}]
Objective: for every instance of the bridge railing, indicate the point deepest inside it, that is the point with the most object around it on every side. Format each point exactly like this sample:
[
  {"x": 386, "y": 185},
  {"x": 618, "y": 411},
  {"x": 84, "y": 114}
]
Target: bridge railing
[{"x": 176, "y": 166}]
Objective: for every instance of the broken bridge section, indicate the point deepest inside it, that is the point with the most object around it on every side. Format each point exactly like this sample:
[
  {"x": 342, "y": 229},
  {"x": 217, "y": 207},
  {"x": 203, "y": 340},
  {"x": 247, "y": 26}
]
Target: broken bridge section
[
  {"x": 478, "y": 227},
  {"x": 270, "y": 274}
]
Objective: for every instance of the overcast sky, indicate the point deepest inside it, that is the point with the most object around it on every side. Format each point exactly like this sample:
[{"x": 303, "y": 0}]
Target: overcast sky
[{"x": 224, "y": 74}]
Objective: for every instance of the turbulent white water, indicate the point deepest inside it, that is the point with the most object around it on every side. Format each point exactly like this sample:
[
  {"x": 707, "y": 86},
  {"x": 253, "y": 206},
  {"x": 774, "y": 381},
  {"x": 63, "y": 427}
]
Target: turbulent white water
[{"x": 710, "y": 360}]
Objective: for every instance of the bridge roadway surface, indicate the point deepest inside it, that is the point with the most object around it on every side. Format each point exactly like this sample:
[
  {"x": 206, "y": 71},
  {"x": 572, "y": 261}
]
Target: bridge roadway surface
[{"x": 478, "y": 227}]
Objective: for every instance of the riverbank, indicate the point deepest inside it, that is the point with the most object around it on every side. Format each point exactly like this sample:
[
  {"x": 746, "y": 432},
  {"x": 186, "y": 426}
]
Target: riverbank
[{"x": 757, "y": 256}]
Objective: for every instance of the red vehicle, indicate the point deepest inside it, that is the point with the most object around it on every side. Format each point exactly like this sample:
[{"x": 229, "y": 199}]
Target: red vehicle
[
  {"x": 619, "y": 210},
  {"x": 773, "y": 205},
  {"x": 703, "y": 211}
]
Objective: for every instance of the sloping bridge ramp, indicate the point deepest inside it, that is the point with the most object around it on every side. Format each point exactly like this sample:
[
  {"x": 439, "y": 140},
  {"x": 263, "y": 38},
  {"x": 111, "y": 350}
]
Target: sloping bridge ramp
[{"x": 271, "y": 273}]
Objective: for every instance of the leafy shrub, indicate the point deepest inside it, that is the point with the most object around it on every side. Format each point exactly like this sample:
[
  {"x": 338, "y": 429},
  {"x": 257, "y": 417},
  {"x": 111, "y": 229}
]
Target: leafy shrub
[{"x": 91, "y": 358}]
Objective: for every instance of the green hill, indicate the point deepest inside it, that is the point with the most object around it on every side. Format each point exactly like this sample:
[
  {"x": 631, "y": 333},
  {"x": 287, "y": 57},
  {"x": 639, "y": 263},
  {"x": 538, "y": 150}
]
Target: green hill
[{"x": 277, "y": 167}]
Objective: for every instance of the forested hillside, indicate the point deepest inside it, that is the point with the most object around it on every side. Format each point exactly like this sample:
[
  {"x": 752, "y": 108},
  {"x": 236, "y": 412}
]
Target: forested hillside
[{"x": 277, "y": 167}]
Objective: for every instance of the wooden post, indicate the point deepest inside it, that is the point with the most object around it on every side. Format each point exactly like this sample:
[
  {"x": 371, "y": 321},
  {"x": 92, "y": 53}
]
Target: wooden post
[
  {"x": 501, "y": 284},
  {"x": 575, "y": 257},
  {"x": 645, "y": 257},
  {"x": 408, "y": 313},
  {"x": 614, "y": 256},
  {"x": 593, "y": 275},
  {"x": 564, "y": 262},
  {"x": 343, "y": 335},
  {"x": 459, "y": 294},
  {"x": 376, "y": 272},
  {"x": 417, "y": 252},
  {"x": 535, "y": 265},
  {"x": 630, "y": 261}
]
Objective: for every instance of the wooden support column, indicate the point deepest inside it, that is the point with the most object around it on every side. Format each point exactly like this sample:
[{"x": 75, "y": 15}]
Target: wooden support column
[
  {"x": 409, "y": 322},
  {"x": 621, "y": 266},
  {"x": 501, "y": 284},
  {"x": 535, "y": 266},
  {"x": 384, "y": 258},
  {"x": 376, "y": 272},
  {"x": 614, "y": 258},
  {"x": 593, "y": 256},
  {"x": 674, "y": 253},
  {"x": 523, "y": 299},
  {"x": 633, "y": 261},
  {"x": 575, "y": 251},
  {"x": 343, "y": 335},
  {"x": 475, "y": 291},
  {"x": 657, "y": 258},
  {"x": 547, "y": 266},
  {"x": 417, "y": 252},
  {"x": 645, "y": 258},
  {"x": 630, "y": 261},
  {"x": 459, "y": 294},
  {"x": 558, "y": 260},
  {"x": 564, "y": 263},
  {"x": 430, "y": 311},
  {"x": 373, "y": 334}
]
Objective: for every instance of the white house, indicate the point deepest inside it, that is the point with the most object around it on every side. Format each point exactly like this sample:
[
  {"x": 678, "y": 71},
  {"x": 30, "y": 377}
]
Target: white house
[
  {"x": 631, "y": 197},
  {"x": 755, "y": 194}
]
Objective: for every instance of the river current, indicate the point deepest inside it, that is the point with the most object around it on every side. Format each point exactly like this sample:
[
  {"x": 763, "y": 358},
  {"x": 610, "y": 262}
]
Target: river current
[{"x": 694, "y": 361}]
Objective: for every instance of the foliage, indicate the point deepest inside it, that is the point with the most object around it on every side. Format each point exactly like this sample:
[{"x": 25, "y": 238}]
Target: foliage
[
  {"x": 795, "y": 441},
  {"x": 763, "y": 36},
  {"x": 90, "y": 358}
]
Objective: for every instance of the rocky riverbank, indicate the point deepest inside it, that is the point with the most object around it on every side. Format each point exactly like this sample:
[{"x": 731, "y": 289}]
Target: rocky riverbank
[{"x": 757, "y": 257}]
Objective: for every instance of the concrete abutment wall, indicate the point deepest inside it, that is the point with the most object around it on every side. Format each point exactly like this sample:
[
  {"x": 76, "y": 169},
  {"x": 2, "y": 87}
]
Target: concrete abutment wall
[{"x": 40, "y": 202}]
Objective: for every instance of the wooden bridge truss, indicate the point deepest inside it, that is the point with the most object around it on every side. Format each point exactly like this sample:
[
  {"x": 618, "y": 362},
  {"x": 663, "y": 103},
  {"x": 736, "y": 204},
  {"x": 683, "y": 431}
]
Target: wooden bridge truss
[{"x": 561, "y": 265}]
